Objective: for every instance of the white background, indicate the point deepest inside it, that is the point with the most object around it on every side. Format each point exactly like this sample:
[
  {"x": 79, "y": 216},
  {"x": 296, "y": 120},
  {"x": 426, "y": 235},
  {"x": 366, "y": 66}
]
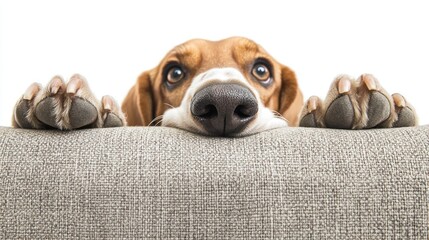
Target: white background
[{"x": 111, "y": 42}]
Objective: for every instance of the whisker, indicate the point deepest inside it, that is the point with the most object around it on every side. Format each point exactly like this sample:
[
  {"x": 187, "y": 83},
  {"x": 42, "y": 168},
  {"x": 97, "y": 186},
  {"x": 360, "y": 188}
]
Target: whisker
[
  {"x": 169, "y": 105},
  {"x": 278, "y": 115},
  {"x": 159, "y": 122},
  {"x": 156, "y": 119}
]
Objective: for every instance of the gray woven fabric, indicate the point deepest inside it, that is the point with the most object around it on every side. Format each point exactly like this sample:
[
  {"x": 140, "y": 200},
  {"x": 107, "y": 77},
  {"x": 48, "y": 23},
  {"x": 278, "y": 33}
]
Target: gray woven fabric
[{"x": 291, "y": 183}]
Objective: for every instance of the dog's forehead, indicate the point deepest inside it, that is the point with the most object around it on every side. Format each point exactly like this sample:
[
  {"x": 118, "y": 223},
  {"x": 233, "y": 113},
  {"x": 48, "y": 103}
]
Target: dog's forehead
[{"x": 205, "y": 54}]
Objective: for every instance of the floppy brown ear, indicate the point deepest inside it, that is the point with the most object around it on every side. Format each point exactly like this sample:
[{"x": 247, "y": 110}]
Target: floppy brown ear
[
  {"x": 291, "y": 99},
  {"x": 138, "y": 104}
]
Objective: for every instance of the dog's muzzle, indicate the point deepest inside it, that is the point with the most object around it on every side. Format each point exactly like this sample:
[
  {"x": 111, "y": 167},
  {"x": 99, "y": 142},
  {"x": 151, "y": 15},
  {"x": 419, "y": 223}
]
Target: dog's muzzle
[{"x": 224, "y": 109}]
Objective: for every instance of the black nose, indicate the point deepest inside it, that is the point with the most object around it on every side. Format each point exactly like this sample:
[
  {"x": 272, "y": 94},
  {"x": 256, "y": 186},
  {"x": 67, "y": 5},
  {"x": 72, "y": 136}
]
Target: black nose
[{"x": 224, "y": 109}]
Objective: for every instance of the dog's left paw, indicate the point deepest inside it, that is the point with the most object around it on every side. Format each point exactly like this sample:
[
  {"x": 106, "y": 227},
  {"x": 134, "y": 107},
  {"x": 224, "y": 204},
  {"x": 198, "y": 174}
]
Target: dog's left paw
[
  {"x": 358, "y": 104},
  {"x": 65, "y": 106}
]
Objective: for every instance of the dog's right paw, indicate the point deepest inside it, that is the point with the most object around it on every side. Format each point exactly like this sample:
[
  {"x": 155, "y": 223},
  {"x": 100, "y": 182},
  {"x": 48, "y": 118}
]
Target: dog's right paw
[{"x": 65, "y": 106}]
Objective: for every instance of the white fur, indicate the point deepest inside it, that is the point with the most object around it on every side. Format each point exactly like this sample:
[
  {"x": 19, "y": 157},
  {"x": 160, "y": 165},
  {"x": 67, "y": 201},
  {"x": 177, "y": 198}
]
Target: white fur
[{"x": 181, "y": 117}]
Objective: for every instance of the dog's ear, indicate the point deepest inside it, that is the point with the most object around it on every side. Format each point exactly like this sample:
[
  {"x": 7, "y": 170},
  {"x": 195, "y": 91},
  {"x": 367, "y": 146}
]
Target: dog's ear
[
  {"x": 291, "y": 99},
  {"x": 138, "y": 105}
]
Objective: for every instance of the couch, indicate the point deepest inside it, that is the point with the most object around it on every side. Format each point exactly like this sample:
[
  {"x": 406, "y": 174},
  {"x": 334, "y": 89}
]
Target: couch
[{"x": 164, "y": 183}]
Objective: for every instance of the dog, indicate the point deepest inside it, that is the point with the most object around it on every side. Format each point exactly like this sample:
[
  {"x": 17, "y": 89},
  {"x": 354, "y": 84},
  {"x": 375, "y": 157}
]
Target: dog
[{"x": 231, "y": 88}]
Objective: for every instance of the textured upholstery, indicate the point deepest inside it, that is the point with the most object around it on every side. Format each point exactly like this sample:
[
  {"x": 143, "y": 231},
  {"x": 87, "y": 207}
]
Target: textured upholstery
[{"x": 291, "y": 183}]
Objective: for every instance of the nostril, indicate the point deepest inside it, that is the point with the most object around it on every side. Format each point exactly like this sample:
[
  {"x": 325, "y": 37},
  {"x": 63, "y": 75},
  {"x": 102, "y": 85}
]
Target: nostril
[
  {"x": 209, "y": 111},
  {"x": 244, "y": 112},
  {"x": 241, "y": 112}
]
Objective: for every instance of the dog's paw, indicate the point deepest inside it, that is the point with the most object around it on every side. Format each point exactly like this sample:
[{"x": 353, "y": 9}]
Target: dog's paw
[
  {"x": 358, "y": 104},
  {"x": 65, "y": 106}
]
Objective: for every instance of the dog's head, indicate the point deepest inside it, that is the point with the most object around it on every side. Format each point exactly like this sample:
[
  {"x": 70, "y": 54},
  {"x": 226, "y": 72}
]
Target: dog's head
[{"x": 231, "y": 87}]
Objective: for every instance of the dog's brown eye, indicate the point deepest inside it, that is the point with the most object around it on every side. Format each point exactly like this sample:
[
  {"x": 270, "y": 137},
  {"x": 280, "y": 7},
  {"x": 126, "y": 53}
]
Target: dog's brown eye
[
  {"x": 175, "y": 74},
  {"x": 261, "y": 72}
]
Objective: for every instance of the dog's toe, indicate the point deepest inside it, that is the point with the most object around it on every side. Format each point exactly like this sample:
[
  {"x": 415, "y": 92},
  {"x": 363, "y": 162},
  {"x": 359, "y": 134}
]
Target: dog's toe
[
  {"x": 308, "y": 120},
  {"x": 378, "y": 109},
  {"x": 311, "y": 113},
  {"x": 81, "y": 113},
  {"x": 112, "y": 115},
  {"x": 406, "y": 114},
  {"x": 46, "y": 113},
  {"x": 81, "y": 109},
  {"x": 340, "y": 112},
  {"x": 112, "y": 120},
  {"x": 375, "y": 104},
  {"x": 48, "y": 103},
  {"x": 23, "y": 108}
]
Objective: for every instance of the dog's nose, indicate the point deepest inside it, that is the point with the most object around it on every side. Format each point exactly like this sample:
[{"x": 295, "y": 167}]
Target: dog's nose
[{"x": 224, "y": 109}]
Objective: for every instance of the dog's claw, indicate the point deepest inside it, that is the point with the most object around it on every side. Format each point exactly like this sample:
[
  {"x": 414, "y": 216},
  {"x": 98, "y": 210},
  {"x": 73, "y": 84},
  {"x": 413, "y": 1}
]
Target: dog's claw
[
  {"x": 369, "y": 81},
  {"x": 74, "y": 84},
  {"x": 56, "y": 86},
  {"x": 399, "y": 100},
  {"x": 312, "y": 104},
  {"x": 107, "y": 103},
  {"x": 31, "y": 91},
  {"x": 344, "y": 85}
]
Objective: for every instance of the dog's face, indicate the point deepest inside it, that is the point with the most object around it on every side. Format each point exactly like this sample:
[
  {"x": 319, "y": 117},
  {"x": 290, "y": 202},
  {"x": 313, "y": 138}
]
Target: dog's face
[{"x": 231, "y": 87}]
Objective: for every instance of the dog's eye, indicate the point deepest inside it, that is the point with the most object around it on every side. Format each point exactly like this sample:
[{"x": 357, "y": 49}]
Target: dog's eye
[
  {"x": 261, "y": 72},
  {"x": 175, "y": 74}
]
